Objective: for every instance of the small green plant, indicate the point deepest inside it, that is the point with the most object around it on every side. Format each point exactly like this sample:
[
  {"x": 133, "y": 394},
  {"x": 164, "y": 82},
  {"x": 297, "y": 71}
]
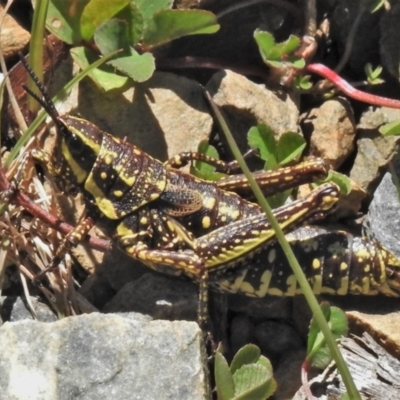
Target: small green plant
[
  {"x": 136, "y": 28},
  {"x": 249, "y": 377},
  {"x": 373, "y": 75},
  {"x": 390, "y": 129},
  {"x": 318, "y": 353},
  {"x": 276, "y": 153},
  {"x": 278, "y": 55},
  {"x": 302, "y": 82}
]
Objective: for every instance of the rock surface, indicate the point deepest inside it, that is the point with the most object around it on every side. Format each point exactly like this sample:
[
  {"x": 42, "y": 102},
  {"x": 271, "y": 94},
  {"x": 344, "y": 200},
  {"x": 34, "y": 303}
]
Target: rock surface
[
  {"x": 332, "y": 131},
  {"x": 13, "y": 38},
  {"x": 245, "y": 104},
  {"x": 374, "y": 150},
  {"x": 102, "y": 357}
]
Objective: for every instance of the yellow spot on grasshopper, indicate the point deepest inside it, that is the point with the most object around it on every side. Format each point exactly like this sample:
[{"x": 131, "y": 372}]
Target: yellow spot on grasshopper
[
  {"x": 316, "y": 264},
  {"x": 108, "y": 159},
  {"x": 144, "y": 221},
  {"x": 206, "y": 222}
]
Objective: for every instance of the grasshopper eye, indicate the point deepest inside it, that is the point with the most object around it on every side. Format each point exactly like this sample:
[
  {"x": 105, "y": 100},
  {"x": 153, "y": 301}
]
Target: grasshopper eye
[{"x": 75, "y": 144}]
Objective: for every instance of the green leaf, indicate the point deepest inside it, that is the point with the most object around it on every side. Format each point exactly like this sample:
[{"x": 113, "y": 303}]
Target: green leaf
[
  {"x": 134, "y": 19},
  {"x": 210, "y": 151},
  {"x": 265, "y": 363},
  {"x": 339, "y": 324},
  {"x": 246, "y": 355},
  {"x": 168, "y": 25},
  {"x": 139, "y": 67},
  {"x": 63, "y": 19},
  {"x": 223, "y": 378},
  {"x": 290, "y": 147},
  {"x": 113, "y": 35},
  {"x": 204, "y": 170},
  {"x": 322, "y": 358},
  {"x": 343, "y": 181},
  {"x": 104, "y": 78},
  {"x": 392, "y": 128},
  {"x": 148, "y": 8},
  {"x": 253, "y": 381},
  {"x": 302, "y": 82},
  {"x": 265, "y": 42},
  {"x": 261, "y": 137},
  {"x": 278, "y": 54},
  {"x": 286, "y": 47},
  {"x": 373, "y": 74},
  {"x": 97, "y": 12},
  {"x": 279, "y": 199},
  {"x": 314, "y": 338},
  {"x": 317, "y": 349}
]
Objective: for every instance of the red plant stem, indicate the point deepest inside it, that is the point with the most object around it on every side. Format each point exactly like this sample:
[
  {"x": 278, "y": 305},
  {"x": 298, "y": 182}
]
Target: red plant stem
[
  {"x": 349, "y": 90},
  {"x": 25, "y": 202}
]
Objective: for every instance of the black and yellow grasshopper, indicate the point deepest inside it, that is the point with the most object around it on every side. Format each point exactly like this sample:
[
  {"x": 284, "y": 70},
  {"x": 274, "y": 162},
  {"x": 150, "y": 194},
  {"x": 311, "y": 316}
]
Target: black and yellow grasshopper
[{"x": 178, "y": 224}]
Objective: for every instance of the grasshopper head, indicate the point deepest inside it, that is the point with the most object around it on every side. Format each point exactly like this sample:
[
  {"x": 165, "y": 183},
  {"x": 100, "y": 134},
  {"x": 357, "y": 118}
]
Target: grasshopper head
[
  {"x": 78, "y": 141},
  {"x": 79, "y": 145}
]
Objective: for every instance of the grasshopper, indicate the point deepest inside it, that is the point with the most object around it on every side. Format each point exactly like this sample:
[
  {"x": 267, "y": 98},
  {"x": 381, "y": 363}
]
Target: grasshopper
[{"x": 176, "y": 223}]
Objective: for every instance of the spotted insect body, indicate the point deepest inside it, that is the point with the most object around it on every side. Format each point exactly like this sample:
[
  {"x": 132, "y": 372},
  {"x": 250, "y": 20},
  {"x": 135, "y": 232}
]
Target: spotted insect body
[{"x": 179, "y": 224}]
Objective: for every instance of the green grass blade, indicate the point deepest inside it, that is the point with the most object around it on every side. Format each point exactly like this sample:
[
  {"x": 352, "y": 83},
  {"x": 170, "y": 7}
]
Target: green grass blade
[
  {"x": 305, "y": 287},
  {"x": 36, "y": 48}
]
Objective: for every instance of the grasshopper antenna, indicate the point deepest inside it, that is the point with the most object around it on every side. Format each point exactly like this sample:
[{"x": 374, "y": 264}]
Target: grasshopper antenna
[{"x": 46, "y": 102}]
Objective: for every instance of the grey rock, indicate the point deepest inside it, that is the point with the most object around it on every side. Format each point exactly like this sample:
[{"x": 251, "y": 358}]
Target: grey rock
[
  {"x": 269, "y": 307},
  {"x": 374, "y": 150},
  {"x": 117, "y": 269},
  {"x": 159, "y": 296},
  {"x": 15, "y": 308},
  {"x": 301, "y": 316},
  {"x": 287, "y": 374},
  {"x": 384, "y": 215},
  {"x": 276, "y": 338},
  {"x": 245, "y": 104},
  {"x": 241, "y": 332},
  {"x": 97, "y": 290},
  {"x": 102, "y": 357}
]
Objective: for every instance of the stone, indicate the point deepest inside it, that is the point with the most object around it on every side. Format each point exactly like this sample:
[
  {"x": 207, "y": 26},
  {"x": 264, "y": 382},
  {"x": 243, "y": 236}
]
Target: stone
[
  {"x": 13, "y": 38},
  {"x": 101, "y": 357},
  {"x": 245, "y": 104},
  {"x": 384, "y": 215},
  {"x": 374, "y": 150},
  {"x": 157, "y": 295},
  {"x": 15, "y": 308},
  {"x": 276, "y": 338},
  {"x": 331, "y": 128}
]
